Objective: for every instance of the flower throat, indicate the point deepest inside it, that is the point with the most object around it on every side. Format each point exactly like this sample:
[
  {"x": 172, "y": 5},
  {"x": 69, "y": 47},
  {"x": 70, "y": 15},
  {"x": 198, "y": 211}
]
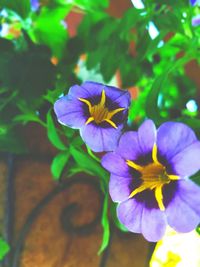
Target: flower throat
[
  {"x": 154, "y": 176},
  {"x": 99, "y": 112}
]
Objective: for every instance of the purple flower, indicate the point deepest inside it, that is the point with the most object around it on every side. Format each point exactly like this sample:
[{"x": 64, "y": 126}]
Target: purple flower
[
  {"x": 194, "y": 2},
  {"x": 196, "y": 20},
  {"x": 149, "y": 179},
  {"x": 35, "y": 4},
  {"x": 99, "y": 112}
]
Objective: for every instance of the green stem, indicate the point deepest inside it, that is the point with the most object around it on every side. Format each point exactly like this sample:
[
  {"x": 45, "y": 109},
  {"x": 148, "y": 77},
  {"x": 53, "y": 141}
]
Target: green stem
[{"x": 92, "y": 154}]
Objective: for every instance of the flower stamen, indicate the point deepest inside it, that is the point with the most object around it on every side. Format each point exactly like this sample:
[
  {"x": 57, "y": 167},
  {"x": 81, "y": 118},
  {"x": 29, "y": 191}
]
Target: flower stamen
[
  {"x": 89, "y": 120},
  {"x": 154, "y": 176},
  {"x": 100, "y": 112}
]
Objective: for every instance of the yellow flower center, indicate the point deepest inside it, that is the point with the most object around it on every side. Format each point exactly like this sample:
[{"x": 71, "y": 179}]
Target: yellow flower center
[
  {"x": 154, "y": 176},
  {"x": 100, "y": 112}
]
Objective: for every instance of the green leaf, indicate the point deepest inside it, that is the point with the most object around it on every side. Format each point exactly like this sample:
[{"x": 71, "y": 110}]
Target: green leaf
[
  {"x": 89, "y": 164},
  {"x": 169, "y": 22},
  {"x": 49, "y": 28},
  {"x": 196, "y": 178},
  {"x": 111, "y": 58},
  {"x": 53, "y": 134},
  {"x": 4, "y": 248},
  {"x": 25, "y": 118},
  {"x": 22, "y": 7},
  {"x": 129, "y": 20},
  {"x": 152, "y": 109},
  {"x": 59, "y": 163},
  {"x": 91, "y": 5},
  {"x": 105, "y": 225}
]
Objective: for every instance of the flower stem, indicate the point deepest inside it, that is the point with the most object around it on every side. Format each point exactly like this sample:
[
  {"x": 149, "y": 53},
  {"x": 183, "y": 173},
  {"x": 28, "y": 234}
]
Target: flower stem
[{"x": 92, "y": 154}]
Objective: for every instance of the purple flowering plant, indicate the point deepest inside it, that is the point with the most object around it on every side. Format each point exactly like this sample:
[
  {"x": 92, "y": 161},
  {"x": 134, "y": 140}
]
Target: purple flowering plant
[
  {"x": 149, "y": 168},
  {"x": 150, "y": 179},
  {"x": 146, "y": 174},
  {"x": 98, "y": 111}
]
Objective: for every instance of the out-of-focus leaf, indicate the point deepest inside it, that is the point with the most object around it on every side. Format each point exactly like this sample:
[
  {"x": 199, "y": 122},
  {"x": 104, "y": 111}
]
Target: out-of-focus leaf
[
  {"x": 129, "y": 21},
  {"x": 152, "y": 109},
  {"x": 59, "y": 163},
  {"x": 143, "y": 43},
  {"x": 198, "y": 229},
  {"x": 11, "y": 142},
  {"x": 91, "y": 5},
  {"x": 170, "y": 22},
  {"x": 4, "y": 248},
  {"x": 29, "y": 73},
  {"x": 49, "y": 28},
  {"x": 21, "y": 7},
  {"x": 5, "y": 101},
  {"x": 105, "y": 225},
  {"x": 111, "y": 59},
  {"x": 53, "y": 134},
  {"x": 24, "y": 118}
]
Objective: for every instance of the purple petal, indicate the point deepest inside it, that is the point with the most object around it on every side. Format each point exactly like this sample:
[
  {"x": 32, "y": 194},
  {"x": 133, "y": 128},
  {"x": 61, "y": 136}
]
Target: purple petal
[
  {"x": 132, "y": 144},
  {"x": 173, "y": 137},
  {"x": 69, "y": 112},
  {"x": 180, "y": 215},
  {"x": 35, "y": 4},
  {"x": 153, "y": 224},
  {"x": 196, "y": 21},
  {"x": 100, "y": 139},
  {"x": 193, "y": 2},
  {"x": 129, "y": 147},
  {"x": 147, "y": 136},
  {"x": 129, "y": 214},
  {"x": 120, "y": 187},
  {"x": 77, "y": 91},
  {"x": 189, "y": 192},
  {"x": 121, "y": 97},
  {"x": 115, "y": 164},
  {"x": 187, "y": 162}
]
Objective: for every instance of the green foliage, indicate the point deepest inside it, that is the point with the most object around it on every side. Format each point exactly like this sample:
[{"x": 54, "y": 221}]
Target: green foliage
[
  {"x": 87, "y": 163},
  {"x": 21, "y": 7},
  {"x": 49, "y": 28},
  {"x": 91, "y": 5},
  {"x": 29, "y": 72},
  {"x": 152, "y": 110},
  {"x": 52, "y": 133},
  {"x": 4, "y": 248},
  {"x": 105, "y": 225},
  {"x": 38, "y": 63},
  {"x": 198, "y": 229},
  {"x": 59, "y": 163}
]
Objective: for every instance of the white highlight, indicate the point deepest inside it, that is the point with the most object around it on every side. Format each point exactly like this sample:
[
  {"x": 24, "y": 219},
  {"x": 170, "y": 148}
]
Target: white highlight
[
  {"x": 191, "y": 105},
  {"x": 184, "y": 14},
  {"x": 138, "y": 4},
  {"x": 4, "y": 30},
  {"x": 153, "y": 31}
]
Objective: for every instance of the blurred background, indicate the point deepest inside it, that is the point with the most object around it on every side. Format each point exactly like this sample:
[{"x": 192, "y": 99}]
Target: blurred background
[{"x": 55, "y": 209}]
